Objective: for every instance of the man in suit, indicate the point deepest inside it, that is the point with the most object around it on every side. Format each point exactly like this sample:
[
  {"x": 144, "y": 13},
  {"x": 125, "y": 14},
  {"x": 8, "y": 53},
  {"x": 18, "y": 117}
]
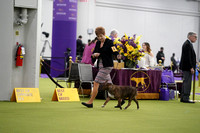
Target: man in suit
[
  {"x": 161, "y": 56},
  {"x": 79, "y": 46},
  {"x": 188, "y": 65},
  {"x": 174, "y": 63}
]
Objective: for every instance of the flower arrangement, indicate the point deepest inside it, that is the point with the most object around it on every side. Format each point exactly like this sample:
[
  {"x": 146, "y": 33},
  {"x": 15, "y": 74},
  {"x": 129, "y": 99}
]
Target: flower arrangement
[{"x": 130, "y": 49}]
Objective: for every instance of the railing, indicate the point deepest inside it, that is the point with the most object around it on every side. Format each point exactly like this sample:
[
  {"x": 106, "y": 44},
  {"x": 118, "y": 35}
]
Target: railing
[{"x": 65, "y": 61}]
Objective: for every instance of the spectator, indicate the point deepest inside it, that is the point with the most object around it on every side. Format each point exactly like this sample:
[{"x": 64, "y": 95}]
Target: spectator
[
  {"x": 123, "y": 38},
  {"x": 88, "y": 52},
  {"x": 174, "y": 62},
  {"x": 79, "y": 46},
  {"x": 188, "y": 66},
  {"x": 160, "y": 56},
  {"x": 89, "y": 41},
  {"x": 148, "y": 59},
  {"x": 113, "y": 34}
]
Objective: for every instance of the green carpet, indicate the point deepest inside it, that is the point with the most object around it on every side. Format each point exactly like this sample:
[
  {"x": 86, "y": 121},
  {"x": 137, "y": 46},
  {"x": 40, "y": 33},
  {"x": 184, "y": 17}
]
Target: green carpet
[{"x": 154, "y": 116}]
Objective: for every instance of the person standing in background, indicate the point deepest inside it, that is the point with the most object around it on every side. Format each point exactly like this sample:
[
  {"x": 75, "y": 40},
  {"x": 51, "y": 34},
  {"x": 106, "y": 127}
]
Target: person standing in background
[
  {"x": 88, "y": 52},
  {"x": 89, "y": 41},
  {"x": 161, "y": 56},
  {"x": 113, "y": 34},
  {"x": 174, "y": 62},
  {"x": 79, "y": 46},
  {"x": 188, "y": 65}
]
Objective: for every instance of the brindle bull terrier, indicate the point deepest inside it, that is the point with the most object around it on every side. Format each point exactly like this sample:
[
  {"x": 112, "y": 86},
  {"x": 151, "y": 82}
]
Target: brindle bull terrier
[{"x": 120, "y": 92}]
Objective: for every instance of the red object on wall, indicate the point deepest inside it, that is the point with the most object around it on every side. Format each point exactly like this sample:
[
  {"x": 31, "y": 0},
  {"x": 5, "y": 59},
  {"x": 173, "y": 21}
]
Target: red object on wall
[
  {"x": 83, "y": 0},
  {"x": 19, "y": 56}
]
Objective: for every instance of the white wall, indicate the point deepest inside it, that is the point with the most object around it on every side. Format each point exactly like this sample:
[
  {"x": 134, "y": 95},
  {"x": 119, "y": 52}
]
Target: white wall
[
  {"x": 28, "y": 74},
  {"x": 86, "y": 19},
  {"x": 47, "y": 20},
  {"x": 6, "y": 50},
  {"x": 162, "y": 23}
]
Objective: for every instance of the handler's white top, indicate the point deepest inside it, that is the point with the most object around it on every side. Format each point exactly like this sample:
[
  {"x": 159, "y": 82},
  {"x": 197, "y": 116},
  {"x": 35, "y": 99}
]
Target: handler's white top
[{"x": 146, "y": 61}]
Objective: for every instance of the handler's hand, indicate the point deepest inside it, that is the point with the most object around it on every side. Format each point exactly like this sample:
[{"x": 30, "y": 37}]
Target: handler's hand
[
  {"x": 119, "y": 56},
  {"x": 96, "y": 55},
  {"x": 192, "y": 70}
]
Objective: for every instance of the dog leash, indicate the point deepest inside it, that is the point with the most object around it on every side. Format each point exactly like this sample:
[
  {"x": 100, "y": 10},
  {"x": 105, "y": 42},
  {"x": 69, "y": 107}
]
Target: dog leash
[{"x": 115, "y": 72}]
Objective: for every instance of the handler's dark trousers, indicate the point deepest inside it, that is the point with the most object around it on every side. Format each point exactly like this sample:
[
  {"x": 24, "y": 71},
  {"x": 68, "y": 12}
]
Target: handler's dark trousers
[{"x": 186, "y": 88}]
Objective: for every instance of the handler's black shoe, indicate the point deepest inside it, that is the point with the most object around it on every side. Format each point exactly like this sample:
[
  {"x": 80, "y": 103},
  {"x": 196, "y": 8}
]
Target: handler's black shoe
[
  {"x": 188, "y": 101},
  {"x": 181, "y": 100},
  {"x": 123, "y": 102},
  {"x": 87, "y": 105}
]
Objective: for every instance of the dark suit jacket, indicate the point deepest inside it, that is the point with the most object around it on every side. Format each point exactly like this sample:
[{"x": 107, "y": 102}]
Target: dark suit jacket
[
  {"x": 106, "y": 53},
  {"x": 159, "y": 55},
  {"x": 173, "y": 61},
  {"x": 188, "y": 57},
  {"x": 79, "y": 46}
]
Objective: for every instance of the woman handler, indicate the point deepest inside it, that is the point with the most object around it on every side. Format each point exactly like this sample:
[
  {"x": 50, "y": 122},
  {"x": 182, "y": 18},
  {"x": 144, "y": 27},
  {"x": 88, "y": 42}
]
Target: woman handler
[{"x": 103, "y": 53}]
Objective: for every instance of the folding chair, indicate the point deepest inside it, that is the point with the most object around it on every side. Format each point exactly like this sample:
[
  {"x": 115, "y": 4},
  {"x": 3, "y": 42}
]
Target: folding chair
[
  {"x": 73, "y": 75},
  {"x": 62, "y": 79},
  {"x": 85, "y": 74},
  {"x": 172, "y": 83},
  {"x": 179, "y": 82}
]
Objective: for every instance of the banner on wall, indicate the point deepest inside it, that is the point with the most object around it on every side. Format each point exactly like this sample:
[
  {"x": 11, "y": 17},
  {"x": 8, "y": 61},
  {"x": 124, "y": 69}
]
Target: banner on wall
[
  {"x": 64, "y": 34},
  {"x": 83, "y": 0},
  {"x": 65, "y": 10}
]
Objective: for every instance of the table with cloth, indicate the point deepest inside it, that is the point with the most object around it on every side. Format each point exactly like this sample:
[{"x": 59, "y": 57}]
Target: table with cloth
[{"x": 148, "y": 80}]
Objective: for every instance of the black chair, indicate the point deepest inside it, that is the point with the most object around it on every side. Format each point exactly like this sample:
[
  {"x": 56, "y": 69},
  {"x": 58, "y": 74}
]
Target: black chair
[{"x": 73, "y": 75}]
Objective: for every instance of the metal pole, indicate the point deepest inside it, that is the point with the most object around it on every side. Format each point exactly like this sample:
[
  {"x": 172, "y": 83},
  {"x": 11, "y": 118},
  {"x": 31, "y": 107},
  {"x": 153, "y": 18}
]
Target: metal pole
[
  {"x": 198, "y": 69},
  {"x": 70, "y": 64},
  {"x": 199, "y": 79},
  {"x": 198, "y": 47},
  {"x": 194, "y": 80},
  {"x": 40, "y": 66}
]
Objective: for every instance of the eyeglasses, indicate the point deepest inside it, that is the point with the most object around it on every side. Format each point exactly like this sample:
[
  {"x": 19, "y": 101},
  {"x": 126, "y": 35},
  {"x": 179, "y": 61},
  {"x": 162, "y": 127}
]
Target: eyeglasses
[{"x": 195, "y": 36}]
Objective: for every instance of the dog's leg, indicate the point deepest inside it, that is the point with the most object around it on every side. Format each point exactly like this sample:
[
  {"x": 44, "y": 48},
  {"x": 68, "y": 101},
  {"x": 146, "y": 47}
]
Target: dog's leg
[
  {"x": 136, "y": 101},
  {"x": 119, "y": 103},
  {"x": 145, "y": 84},
  {"x": 129, "y": 103},
  {"x": 107, "y": 100}
]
